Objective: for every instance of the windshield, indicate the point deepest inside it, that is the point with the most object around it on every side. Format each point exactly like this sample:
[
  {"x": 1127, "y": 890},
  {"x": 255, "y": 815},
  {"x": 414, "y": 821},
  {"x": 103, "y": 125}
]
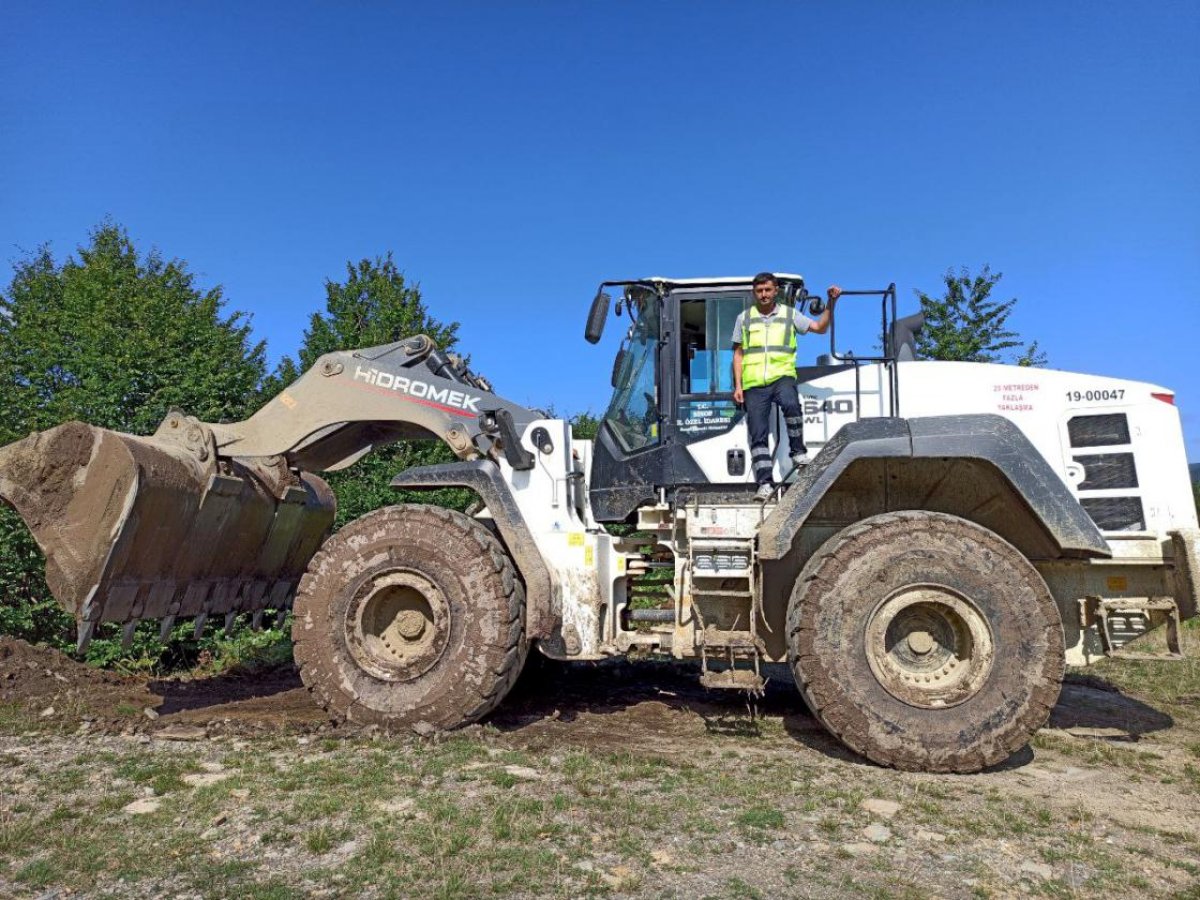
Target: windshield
[{"x": 633, "y": 413}]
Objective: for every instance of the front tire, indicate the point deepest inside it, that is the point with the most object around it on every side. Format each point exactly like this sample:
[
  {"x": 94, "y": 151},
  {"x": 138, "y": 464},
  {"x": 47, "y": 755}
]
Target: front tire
[
  {"x": 925, "y": 642},
  {"x": 411, "y": 616}
]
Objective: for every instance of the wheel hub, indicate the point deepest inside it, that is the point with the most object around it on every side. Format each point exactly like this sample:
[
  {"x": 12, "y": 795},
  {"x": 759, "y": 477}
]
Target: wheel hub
[
  {"x": 920, "y": 642},
  {"x": 410, "y": 624},
  {"x": 929, "y": 646},
  {"x": 397, "y": 625}
]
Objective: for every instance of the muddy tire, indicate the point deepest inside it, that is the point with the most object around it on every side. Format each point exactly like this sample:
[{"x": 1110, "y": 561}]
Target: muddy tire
[
  {"x": 925, "y": 642},
  {"x": 410, "y": 617}
]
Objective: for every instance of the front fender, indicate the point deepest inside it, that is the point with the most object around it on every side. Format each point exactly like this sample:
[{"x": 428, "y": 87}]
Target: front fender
[{"x": 542, "y": 593}]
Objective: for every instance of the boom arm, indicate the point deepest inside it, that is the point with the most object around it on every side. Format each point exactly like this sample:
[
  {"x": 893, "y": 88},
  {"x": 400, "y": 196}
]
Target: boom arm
[{"x": 352, "y": 401}]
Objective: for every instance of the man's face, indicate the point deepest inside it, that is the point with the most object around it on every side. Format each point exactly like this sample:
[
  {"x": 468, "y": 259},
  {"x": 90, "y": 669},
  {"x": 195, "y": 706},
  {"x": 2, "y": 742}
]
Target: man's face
[{"x": 764, "y": 294}]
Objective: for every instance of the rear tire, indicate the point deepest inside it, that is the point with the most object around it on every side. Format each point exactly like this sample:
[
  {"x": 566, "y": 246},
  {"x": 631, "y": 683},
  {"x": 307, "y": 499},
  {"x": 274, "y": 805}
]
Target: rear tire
[
  {"x": 411, "y": 616},
  {"x": 925, "y": 642}
]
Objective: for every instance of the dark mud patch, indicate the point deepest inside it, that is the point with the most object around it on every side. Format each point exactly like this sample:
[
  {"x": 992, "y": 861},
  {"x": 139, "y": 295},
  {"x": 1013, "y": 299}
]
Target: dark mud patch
[
  {"x": 32, "y": 673},
  {"x": 39, "y": 679},
  {"x": 655, "y": 707},
  {"x": 649, "y": 706},
  {"x": 271, "y": 700}
]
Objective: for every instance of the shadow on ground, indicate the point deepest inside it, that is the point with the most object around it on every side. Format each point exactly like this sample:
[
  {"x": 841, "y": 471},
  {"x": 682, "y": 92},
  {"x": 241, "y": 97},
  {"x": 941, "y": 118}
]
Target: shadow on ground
[
  {"x": 616, "y": 705},
  {"x": 1090, "y": 705},
  {"x": 220, "y": 690}
]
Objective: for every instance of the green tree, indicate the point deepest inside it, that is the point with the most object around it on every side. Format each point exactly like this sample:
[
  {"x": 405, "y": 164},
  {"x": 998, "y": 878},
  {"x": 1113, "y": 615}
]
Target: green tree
[
  {"x": 966, "y": 325},
  {"x": 373, "y": 305},
  {"x": 584, "y": 425},
  {"x": 114, "y": 338}
]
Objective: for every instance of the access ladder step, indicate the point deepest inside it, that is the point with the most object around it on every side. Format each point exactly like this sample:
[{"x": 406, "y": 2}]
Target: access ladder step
[
  {"x": 720, "y": 592},
  {"x": 712, "y": 638},
  {"x": 734, "y": 545},
  {"x": 1124, "y": 620},
  {"x": 734, "y": 679}
]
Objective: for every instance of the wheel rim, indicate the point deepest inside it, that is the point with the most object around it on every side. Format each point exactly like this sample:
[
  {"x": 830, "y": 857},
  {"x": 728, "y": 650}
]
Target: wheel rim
[
  {"x": 929, "y": 646},
  {"x": 397, "y": 625}
]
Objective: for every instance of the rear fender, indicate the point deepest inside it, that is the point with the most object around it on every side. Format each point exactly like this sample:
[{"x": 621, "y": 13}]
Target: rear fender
[{"x": 989, "y": 439}]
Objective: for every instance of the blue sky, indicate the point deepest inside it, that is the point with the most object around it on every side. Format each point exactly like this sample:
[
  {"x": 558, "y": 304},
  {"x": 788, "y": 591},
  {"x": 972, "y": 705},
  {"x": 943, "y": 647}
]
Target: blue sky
[{"x": 514, "y": 155}]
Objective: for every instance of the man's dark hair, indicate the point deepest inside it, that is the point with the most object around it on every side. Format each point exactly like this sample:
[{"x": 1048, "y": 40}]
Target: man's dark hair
[{"x": 763, "y": 278}]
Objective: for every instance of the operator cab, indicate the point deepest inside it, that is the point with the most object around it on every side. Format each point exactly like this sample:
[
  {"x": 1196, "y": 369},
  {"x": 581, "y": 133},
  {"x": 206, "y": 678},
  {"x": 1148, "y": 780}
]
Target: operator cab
[
  {"x": 672, "y": 422},
  {"x": 673, "y": 388}
]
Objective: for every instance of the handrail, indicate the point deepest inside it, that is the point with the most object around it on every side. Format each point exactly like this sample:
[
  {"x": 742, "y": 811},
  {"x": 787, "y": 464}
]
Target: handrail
[{"x": 888, "y": 359}]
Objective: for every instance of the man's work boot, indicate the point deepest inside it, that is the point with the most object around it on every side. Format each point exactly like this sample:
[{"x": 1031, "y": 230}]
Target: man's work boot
[
  {"x": 801, "y": 459},
  {"x": 764, "y": 492}
]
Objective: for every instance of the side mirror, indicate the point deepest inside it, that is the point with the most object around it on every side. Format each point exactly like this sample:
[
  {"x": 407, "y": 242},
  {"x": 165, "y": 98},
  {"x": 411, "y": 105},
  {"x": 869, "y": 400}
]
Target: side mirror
[
  {"x": 617, "y": 363},
  {"x": 596, "y": 317}
]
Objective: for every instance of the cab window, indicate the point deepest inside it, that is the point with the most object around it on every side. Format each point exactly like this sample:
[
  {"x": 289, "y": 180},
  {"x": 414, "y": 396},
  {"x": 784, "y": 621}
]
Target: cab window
[
  {"x": 706, "y": 351},
  {"x": 706, "y": 406},
  {"x": 632, "y": 415}
]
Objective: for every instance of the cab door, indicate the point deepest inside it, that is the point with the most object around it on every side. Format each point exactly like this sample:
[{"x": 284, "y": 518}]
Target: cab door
[{"x": 706, "y": 419}]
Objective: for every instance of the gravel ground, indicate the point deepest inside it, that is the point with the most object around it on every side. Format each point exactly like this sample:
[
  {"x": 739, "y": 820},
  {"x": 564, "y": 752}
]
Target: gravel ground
[{"x": 613, "y": 780}]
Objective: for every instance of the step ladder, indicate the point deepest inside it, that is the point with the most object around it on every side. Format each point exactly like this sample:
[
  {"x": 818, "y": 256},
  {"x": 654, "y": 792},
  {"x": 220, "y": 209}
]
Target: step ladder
[
  {"x": 1120, "y": 621},
  {"x": 711, "y": 565}
]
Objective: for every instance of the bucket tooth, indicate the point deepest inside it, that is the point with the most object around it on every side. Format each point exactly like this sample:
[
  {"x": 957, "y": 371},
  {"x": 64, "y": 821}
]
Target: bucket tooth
[
  {"x": 254, "y": 593},
  {"x": 158, "y": 600},
  {"x": 164, "y": 630},
  {"x": 223, "y": 598},
  {"x": 256, "y": 620},
  {"x": 84, "y": 635},
  {"x": 121, "y": 603},
  {"x": 280, "y": 616},
  {"x": 127, "y": 634},
  {"x": 230, "y": 618},
  {"x": 195, "y": 599},
  {"x": 199, "y": 629}
]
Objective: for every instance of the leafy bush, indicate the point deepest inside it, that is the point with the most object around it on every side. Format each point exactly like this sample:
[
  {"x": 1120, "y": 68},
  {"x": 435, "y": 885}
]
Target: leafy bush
[{"x": 115, "y": 338}]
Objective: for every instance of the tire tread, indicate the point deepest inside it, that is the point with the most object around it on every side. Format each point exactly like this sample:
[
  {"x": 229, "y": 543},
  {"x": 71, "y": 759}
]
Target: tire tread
[{"x": 314, "y": 658}]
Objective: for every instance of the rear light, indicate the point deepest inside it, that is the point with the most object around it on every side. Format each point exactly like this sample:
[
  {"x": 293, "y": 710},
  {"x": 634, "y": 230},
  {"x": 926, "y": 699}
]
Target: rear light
[{"x": 1165, "y": 398}]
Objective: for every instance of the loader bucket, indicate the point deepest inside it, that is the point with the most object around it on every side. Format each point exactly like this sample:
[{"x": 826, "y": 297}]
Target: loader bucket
[{"x": 136, "y": 528}]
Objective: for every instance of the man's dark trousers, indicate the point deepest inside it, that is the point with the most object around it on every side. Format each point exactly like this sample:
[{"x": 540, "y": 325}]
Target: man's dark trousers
[{"x": 759, "y": 401}]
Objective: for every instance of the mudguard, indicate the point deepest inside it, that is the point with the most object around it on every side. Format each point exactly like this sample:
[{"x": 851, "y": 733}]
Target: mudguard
[
  {"x": 989, "y": 438},
  {"x": 483, "y": 477}
]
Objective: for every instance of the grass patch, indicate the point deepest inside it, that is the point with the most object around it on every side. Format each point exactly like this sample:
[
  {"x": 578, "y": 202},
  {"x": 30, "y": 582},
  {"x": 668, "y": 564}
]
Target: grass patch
[
  {"x": 38, "y": 873},
  {"x": 15, "y": 833},
  {"x": 160, "y": 772},
  {"x": 323, "y": 838},
  {"x": 761, "y": 817}
]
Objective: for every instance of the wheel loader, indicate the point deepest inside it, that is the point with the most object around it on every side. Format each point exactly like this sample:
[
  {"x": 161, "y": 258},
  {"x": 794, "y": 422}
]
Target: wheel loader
[{"x": 963, "y": 532}]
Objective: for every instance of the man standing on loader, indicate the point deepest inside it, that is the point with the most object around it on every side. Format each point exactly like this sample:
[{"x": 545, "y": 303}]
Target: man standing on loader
[{"x": 764, "y": 372}]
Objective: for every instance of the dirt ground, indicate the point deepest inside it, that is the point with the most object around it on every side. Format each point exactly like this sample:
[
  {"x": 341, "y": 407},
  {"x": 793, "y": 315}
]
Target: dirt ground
[{"x": 1104, "y": 800}]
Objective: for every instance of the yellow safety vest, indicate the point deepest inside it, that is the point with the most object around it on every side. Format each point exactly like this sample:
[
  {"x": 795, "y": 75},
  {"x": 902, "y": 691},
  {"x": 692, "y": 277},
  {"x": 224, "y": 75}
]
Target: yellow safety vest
[{"x": 768, "y": 347}]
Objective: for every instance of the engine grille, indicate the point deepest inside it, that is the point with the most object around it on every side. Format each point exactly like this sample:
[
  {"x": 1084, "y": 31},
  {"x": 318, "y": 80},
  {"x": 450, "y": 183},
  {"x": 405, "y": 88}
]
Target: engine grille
[
  {"x": 1098, "y": 431},
  {"x": 1115, "y": 513},
  {"x": 1105, "y": 471}
]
